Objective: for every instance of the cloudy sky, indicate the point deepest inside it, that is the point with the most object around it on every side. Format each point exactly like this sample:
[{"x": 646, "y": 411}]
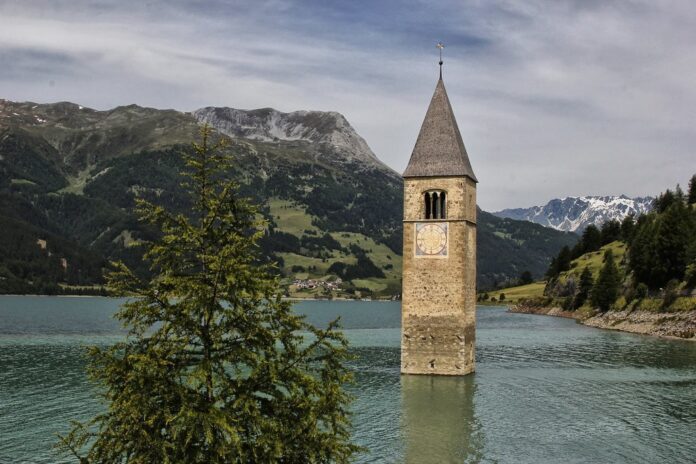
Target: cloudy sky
[{"x": 553, "y": 98}]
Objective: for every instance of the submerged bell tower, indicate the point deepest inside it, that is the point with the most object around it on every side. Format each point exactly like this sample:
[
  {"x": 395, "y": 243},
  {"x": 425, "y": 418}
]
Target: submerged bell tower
[{"x": 438, "y": 308}]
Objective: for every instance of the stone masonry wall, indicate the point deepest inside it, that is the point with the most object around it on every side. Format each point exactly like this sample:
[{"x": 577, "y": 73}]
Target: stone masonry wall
[{"x": 439, "y": 294}]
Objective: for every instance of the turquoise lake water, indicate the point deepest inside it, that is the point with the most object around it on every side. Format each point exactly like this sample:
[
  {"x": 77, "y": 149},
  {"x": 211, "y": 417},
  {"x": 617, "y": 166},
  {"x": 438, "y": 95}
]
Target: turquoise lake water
[{"x": 546, "y": 390}]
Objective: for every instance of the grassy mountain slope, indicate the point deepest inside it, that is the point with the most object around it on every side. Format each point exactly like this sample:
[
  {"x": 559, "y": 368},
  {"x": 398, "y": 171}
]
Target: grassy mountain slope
[
  {"x": 668, "y": 312},
  {"x": 592, "y": 260},
  {"x": 328, "y": 204}
]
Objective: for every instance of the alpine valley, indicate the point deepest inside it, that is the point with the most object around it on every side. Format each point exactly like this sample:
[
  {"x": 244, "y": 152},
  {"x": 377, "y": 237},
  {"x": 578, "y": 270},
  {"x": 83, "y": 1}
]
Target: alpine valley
[{"x": 70, "y": 175}]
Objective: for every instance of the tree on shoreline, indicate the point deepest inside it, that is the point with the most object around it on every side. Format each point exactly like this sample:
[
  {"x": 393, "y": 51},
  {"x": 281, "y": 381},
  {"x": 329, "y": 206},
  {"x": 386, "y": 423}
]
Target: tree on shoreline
[
  {"x": 585, "y": 287},
  {"x": 216, "y": 366},
  {"x": 560, "y": 263},
  {"x": 606, "y": 288},
  {"x": 661, "y": 248}
]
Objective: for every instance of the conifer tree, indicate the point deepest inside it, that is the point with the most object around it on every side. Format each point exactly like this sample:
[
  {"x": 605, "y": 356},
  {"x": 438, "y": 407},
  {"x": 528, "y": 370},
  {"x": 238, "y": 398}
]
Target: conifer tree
[
  {"x": 642, "y": 254},
  {"x": 560, "y": 263},
  {"x": 691, "y": 198},
  {"x": 664, "y": 201},
  {"x": 660, "y": 250},
  {"x": 564, "y": 259},
  {"x": 628, "y": 228},
  {"x": 585, "y": 287},
  {"x": 677, "y": 228},
  {"x": 591, "y": 239},
  {"x": 611, "y": 231},
  {"x": 606, "y": 288},
  {"x": 215, "y": 367}
]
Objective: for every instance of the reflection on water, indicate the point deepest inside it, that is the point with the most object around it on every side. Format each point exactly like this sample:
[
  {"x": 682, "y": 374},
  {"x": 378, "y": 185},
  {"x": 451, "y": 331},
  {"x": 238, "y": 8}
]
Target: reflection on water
[
  {"x": 438, "y": 419},
  {"x": 546, "y": 390}
]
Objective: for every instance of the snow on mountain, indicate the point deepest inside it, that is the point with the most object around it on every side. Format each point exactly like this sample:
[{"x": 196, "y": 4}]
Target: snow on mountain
[
  {"x": 573, "y": 214},
  {"x": 268, "y": 124}
]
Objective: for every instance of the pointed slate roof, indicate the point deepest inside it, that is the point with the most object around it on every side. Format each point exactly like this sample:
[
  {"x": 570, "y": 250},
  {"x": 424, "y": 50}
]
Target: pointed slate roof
[{"x": 439, "y": 150}]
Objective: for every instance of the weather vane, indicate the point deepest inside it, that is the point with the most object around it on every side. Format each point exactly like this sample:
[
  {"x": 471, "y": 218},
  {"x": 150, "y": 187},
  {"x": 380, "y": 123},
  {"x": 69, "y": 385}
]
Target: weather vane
[{"x": 440, "y": 46}]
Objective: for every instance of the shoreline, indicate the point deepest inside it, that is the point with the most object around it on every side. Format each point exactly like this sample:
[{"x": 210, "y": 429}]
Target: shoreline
[
  {"x": 669, "y": 325},
  {"x": 379, "y": 300},
  {"x": 674, "y": 325},
  {"x": 57, "y": 296}
]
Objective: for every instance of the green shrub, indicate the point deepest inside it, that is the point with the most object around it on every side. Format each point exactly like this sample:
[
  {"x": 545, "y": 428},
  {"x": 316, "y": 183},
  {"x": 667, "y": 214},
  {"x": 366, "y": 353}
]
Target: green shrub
[
  {"x": 620, "y": 303},
  {"x": 606, "y": 287},
  {"x": 649, "y": 304},
  {"x": 684, "y": 303}
]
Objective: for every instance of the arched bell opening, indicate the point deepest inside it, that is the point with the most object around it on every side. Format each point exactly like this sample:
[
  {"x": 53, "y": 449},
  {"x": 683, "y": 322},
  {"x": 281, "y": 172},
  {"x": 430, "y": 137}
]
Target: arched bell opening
[
  {"x": 443, "y": 209},
  {"x": 435, "y": 204},
  {"x": 428, "y": 205}
]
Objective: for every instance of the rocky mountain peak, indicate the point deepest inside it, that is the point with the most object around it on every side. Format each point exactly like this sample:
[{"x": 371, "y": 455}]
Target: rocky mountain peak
[
  {"x": 270, "y": 125},
  {"x": 574, "y": 214}
]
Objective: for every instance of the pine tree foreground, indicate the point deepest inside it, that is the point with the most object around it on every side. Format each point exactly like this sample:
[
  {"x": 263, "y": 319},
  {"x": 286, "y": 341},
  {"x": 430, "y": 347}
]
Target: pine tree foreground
[{"x": 216, "y": 367}]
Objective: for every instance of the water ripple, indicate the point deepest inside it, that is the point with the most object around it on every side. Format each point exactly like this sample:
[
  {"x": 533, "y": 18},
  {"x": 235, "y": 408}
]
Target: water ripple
[{"x": 546, "y": 390}]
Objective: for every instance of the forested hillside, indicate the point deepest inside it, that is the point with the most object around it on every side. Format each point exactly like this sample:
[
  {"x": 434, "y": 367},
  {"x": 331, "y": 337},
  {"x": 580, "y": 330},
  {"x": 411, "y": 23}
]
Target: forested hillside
[
  {"x": 648, "y": 263},
  {"x": 70, "y": 175}
]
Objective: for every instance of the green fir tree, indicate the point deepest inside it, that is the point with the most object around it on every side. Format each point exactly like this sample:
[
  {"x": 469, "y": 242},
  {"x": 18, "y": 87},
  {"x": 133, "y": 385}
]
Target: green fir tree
[
  {"x": 606, "y": 288},
  {"x": 664, "y": 201},
  {"x": 591, "y": 239},
  {"x": 628, "y": 228},
  {"x": 560, "y": 263},
  {"x": 691, "y": 198},
  {"x": 584, "y": 288},
  {"x": 610, "y": 232},
  {"x": 216, "y": 367},
  {"x": 660, "y": 250}
]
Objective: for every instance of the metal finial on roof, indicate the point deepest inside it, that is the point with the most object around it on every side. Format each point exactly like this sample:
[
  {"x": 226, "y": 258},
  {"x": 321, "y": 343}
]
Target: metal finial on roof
[{"x": 440, "y": 46}]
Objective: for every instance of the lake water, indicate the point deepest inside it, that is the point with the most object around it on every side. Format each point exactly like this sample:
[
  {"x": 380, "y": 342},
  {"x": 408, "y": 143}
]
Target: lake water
[{"x": 546, "y": 390}]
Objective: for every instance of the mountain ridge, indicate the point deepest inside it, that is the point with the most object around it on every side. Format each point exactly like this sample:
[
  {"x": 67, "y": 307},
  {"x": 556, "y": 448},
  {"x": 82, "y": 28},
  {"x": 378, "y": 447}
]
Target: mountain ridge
[
  {"x": 329, "y": 201},
  {"x": 268, "y": 125},
  {"x": 574, "y": 214}
]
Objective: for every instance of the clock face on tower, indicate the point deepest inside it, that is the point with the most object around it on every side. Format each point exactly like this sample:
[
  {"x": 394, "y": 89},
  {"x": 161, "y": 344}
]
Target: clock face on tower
[{"x": 431, "y": 239}]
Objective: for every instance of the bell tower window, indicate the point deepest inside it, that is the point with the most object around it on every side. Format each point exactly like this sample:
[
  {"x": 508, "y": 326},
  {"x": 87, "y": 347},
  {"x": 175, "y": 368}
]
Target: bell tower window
[
  {"x": 428, "y": 205},
  {"x": 435, "y": 204}
]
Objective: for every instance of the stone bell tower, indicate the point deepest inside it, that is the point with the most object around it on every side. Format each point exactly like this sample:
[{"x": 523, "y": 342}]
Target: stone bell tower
[{"x": 438, "y": 308}]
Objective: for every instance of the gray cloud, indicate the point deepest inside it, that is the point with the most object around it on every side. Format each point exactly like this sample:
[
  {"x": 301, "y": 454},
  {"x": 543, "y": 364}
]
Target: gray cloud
[{"x": 553, "y": 98}]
